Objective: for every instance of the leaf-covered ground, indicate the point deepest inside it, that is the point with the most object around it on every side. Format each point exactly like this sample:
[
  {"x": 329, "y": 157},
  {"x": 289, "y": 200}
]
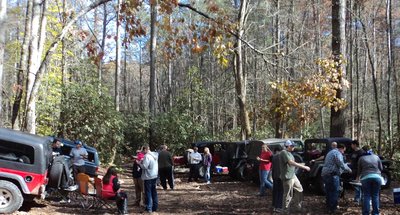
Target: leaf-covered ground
[{"x": 223, "y": 196}]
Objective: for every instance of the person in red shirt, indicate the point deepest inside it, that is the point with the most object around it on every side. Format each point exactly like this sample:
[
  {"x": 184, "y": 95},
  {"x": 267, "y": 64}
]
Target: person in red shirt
[
  {"x": 264, "y": 168},
  {"x": 111, "y": 190}
]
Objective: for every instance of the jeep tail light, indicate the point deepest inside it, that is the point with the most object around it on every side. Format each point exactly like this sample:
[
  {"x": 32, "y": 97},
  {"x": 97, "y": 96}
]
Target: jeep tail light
[{"x": 97, "y": 168}]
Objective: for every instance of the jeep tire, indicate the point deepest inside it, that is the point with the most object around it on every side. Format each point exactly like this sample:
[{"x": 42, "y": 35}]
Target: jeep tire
[
  {"x": 56, "y": 175},
  {"x": 243, "y": 173},
  {"x": 11, "y": 198}
]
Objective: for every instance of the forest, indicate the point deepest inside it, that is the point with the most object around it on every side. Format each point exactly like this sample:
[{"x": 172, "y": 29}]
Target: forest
[{"x": 118, "y": 74}]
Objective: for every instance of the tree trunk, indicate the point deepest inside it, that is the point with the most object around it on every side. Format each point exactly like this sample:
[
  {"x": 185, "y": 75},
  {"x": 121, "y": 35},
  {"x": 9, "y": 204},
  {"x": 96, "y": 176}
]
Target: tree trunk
[
  {"x": 117, "y": 60},
  {"x": 240, "y": 76},
  {"x": 141, "y": 102},
  {"x": 23, "y": 66},
  {"x": 374, "y": 82},
  {"x": 169, "y": 94},
  {"x": 389, "y": 33},
  {"x": 338, "y": 123},
  {"x": 3, "y": 18},
  {"x": 64, "y": 72},
  {"x": 38, "y": 26},
  {"x": 125, "y": 72},
  {"x": 102, "y": 47},
  {"x": 152, "y": 98},
  {"x": 277, "y": 32}
]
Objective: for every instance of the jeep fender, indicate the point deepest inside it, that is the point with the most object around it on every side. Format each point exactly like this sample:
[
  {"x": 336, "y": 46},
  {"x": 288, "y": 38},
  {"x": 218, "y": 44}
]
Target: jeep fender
[{"x": 17, "y": 178}]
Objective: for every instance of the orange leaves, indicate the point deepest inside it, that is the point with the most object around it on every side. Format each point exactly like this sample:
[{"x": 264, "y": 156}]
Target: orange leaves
[
  {"x": 301, "y": 97},
  {"x": 167, "y": 6},
  {"x": 197, "y": 48},
  {"x": 129, "y": 16},
  {"x": 213, "y": 8}
]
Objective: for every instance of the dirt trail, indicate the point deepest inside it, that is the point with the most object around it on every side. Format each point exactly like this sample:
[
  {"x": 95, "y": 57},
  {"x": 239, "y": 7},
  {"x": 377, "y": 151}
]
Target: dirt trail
[{"x": 223, "y": 196}]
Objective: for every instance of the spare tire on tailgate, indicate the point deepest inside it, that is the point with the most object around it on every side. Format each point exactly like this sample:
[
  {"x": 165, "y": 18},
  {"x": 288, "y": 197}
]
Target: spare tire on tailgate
[{"x": 59, "y": 173}]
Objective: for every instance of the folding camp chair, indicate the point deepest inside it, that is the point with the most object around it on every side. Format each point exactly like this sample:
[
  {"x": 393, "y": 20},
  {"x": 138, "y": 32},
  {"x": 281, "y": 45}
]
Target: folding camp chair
[
  {"x": 83, "y": 195},
  {"x": 101, "y": 201}
]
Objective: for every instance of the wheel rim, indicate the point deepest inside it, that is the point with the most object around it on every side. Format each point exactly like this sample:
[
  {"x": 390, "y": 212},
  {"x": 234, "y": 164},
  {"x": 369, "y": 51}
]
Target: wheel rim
[{"x": 5, "y": 198}]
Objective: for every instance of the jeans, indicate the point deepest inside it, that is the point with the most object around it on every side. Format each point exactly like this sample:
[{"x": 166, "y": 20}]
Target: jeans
[
  {"x": 166, "y": 173},
  {"x": 332, "y": 190},
  {"x": 207, "y": 174},
  {"x": 264, "y": 182},
  {"x": 151, "y": 195},
  {"x": 277, "y": 193},
  {"x": 357, "y": 194},
  {"x": 370, "y": 190}
]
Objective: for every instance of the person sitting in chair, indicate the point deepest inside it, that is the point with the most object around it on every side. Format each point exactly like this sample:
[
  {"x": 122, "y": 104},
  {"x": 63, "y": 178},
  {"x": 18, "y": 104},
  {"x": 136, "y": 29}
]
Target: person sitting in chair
[{"x": 111, "y": 190}]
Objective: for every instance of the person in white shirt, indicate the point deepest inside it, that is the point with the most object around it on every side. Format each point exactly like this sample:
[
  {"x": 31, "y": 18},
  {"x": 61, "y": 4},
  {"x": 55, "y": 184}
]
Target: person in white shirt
[{"x": 194, "y": 163}]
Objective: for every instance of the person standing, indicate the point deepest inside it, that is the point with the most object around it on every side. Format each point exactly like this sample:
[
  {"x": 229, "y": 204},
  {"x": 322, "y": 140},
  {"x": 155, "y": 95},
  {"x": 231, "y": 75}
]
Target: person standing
[
  {"x": 78, "y": 155},
  {"x": 334, "y": 166},
  {"x": 166, "y": 168},
  {"x": 207, "y": 165},
  {"x": 369, "y": 173},
  {"x": 355, "y": 156},
  {"x": 137, "y": 178},
  {"x": 194, "y": 162},
  {"x": 277, "y": 188},
  {"x": 292, "y": 189},
  {"x": 56, "y": 147},
  {"x": 149, "y": 167},
  {"x": 264, "y": 168}
]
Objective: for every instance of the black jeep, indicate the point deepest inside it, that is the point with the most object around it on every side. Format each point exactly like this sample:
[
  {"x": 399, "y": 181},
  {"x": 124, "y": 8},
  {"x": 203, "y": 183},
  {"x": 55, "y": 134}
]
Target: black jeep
[
  {"x": 248, "y": 169},
  {"x": 315, "y": 148}
]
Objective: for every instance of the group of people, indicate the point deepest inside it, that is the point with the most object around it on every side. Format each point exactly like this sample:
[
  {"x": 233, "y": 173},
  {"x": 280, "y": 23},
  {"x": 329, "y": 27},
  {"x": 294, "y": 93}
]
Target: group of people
[
  {"x": 148, "y": 167},
  {"x": 366, "y": 169},
  {"x": 287, "y": 190},
  {"x": 279, "y": 165},
  {"x": 286, "y": 187},
  {"x": 196, "y": 161},
  {"x": 111, "y": 188}
]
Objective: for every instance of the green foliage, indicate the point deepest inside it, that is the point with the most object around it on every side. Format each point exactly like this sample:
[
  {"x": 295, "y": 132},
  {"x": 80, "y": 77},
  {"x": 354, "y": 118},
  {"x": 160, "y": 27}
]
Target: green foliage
[
  {"x": 177, "y": 129},
  {"x": 195, "y": 95},
  {"x": 48, "y": 104},
  {"x": 135, "y": 132},
  {"x": 92, "y": 118}
]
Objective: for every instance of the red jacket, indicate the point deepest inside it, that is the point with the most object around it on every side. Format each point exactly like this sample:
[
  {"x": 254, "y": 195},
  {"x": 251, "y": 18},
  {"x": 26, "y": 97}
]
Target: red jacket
[{"x": 108, "y": 191}]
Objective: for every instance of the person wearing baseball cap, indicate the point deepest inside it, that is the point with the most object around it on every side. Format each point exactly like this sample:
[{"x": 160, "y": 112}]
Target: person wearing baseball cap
[
  {"x": 78, "y": 154},
  {"x": 292, "y": 189}
]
